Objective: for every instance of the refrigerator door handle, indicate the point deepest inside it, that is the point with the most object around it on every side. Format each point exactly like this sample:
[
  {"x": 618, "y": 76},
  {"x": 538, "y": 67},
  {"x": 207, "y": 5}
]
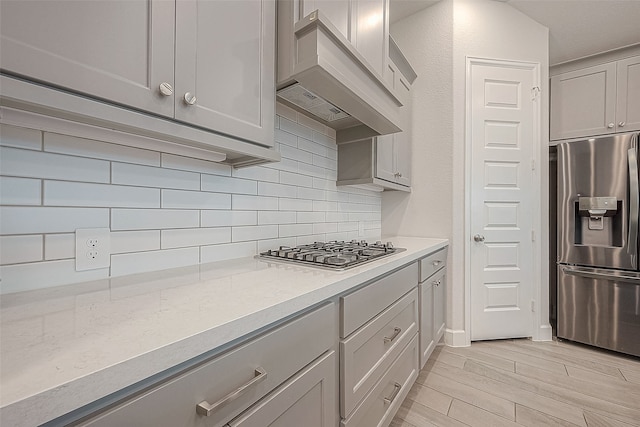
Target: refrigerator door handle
[
  {"x": 634, "y": 196},
  {"x": 595, "y": 274}
]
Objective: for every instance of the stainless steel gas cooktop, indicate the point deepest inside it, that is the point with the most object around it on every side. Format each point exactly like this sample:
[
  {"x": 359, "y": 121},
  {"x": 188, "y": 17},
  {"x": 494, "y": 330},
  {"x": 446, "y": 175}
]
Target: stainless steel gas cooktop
[{"x": 335, "y": 255}]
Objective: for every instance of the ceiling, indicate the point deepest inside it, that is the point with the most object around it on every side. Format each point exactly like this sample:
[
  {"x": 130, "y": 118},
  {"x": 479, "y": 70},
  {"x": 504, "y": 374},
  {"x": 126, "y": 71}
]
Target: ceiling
[{"x": 577, "y": 28}]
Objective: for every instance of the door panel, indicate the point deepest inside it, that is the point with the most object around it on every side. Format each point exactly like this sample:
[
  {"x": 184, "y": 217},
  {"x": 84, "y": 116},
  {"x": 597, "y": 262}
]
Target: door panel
[
  {"x": 232, "y": 77},
  {"x": 501, "y": 208},
  {"x": 628, "y": 109},
  {"x": 118, "y": 50}
]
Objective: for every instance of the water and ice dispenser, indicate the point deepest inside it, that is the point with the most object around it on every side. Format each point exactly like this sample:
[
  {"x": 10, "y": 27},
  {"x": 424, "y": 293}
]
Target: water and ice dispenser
[{"x": 598, "y": 221}]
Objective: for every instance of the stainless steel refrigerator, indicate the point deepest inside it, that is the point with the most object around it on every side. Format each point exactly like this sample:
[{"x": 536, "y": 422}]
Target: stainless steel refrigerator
[{"x": 598, "y": 273}]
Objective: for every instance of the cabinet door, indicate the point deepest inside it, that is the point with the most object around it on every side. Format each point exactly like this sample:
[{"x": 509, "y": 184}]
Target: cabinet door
[
  {"x": 385, "y": 161},
  {"x": 583, "y": 102},
  {"x": 439, "y": 282},
  {"x": 117, "y": 50},
  {"x": 225, "y": 67},
  {"x": 402, "y": 140},
  {"x": 427, "y": 341},
  {"x": 307, "y": 399},
  {"x": 370, "y": 34},
  {"x": 336, "y": 10},
  {"x": 628, "y": 108}
]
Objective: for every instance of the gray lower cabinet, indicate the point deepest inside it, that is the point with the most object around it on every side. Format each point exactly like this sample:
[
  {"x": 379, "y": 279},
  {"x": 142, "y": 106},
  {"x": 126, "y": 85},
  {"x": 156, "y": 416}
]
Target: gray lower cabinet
[
  {"x": 289, "y": 374},
  {"x": 432, "y": 302},
  {"x": 378, "y": 348}
]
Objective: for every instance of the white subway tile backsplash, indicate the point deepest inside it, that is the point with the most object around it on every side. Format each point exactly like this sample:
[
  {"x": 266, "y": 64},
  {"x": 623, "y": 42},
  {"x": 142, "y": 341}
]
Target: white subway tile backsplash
[
  {"x": 147, "y": 176},
  {"x": 295, "y": 128},
  {"x": 295, "y": 179},
  {"x": 276, "y": 217},
  {"x": 194, "y": 237},
  {"x": 310, "y": 217},
  {"x": 171, "y": 161},
  {"x": 166, "y": 210},
  {"x": 312, "y": 147},
  {"x": 140, "y": 262},
  {"x": 181, "y": 199},
  {"x": 64, "y": 193},
  {"x": 36, "y": 164},
  {"x": 286, "y": 138},
  {"x": 14, "y": 136},
  {"x": 296, "y": 154},
  {"x": 258, "y": 203},
  {"x": 38, "y": 275},
  {"x": 258, "y": 173},
  {"x": 30, "y": 220},
  {"x": 147, "y": 219},
  {"x": 223, "y": 184},
  {"x": 228, "y": 218},
  {"x": 277, "y": 190},
  {"x": 17, "y": 249},
  {"x": 61, "y": 246},
  {"x": 229, "y": 251},
  {"x": 64, "y": 144},
  {"x": 288, "y": 230},
  {"x": 325, "y": 227},
  {"x": 134, "y": 241},
  {"x": 20, "y": 191},
  {"x": 254, "y": 232},
  {"x": 295, "y": 205}
]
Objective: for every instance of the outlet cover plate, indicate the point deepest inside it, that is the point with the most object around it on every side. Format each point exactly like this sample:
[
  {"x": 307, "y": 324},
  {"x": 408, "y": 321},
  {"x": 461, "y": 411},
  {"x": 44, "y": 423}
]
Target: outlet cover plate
[{"x": 93, "y": 248}]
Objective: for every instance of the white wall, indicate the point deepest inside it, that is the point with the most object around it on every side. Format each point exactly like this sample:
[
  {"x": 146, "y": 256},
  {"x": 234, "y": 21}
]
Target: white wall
[
  {"x": 165, "y": 210},
  {"x": 479, "y": 28}
]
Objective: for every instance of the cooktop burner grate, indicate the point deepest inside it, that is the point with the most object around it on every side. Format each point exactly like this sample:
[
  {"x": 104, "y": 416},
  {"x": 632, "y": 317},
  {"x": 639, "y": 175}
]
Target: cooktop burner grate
[{"x": 334, "y": 255}]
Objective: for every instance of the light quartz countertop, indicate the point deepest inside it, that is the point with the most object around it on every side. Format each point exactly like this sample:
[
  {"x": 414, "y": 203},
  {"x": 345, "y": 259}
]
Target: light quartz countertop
[{"x": 65, "y": 347}]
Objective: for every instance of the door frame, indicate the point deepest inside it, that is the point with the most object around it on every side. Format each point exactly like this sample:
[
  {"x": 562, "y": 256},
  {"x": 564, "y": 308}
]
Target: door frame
[{"x": 540, "y": 329}]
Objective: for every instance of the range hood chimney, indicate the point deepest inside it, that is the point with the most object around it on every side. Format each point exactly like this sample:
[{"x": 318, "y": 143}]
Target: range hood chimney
[{"x": 321, "y": 74}]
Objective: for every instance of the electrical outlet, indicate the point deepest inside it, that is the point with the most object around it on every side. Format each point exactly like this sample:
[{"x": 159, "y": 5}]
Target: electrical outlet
[{"x": 93, "y": 248}]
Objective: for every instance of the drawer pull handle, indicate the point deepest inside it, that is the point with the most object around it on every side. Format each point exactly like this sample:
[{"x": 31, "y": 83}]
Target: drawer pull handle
[
  {"x": 396, "y": 390},
  {"x": 206, "y": 409},
  {"x": 436, "y": 263},
  {"x": 396, "y": 332}
]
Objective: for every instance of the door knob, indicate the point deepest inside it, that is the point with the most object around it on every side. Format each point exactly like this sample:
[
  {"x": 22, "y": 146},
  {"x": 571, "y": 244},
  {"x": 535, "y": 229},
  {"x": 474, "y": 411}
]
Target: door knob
[{"x": 478, "y": 238}]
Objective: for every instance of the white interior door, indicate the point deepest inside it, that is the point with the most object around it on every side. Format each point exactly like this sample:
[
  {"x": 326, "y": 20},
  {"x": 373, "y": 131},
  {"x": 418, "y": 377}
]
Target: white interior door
[{"x": 501, "y": 120}]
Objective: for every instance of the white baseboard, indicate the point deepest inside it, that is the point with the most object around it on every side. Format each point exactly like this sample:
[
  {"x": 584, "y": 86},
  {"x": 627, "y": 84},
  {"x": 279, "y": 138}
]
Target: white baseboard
[
  {"x": 456, "y": 338},
  {"x": 544, "y": 333}
]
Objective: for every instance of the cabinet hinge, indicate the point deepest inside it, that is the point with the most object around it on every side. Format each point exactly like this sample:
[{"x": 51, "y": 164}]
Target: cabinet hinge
[
  {"x": 533, "y": 164},
  {"x": 535, "y": 91},
  {"x": 533, "y": 235},
  {"x": 533, "y": 306}
]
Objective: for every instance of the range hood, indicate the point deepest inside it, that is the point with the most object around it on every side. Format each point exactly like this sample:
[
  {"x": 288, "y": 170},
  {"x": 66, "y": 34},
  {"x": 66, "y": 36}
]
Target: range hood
[{"x": 322, "y": 75}]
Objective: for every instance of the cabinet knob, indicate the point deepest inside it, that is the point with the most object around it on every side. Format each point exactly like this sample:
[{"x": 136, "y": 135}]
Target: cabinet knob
[
  {"x": 610, "y": 125},
  {"x": 478, "y": 238},
  {"x": 166, "y": 89},
  {"x": 622, "y": 124},
  {"x": 399, "y": 175},
  {"x": 189, "y": 98}
]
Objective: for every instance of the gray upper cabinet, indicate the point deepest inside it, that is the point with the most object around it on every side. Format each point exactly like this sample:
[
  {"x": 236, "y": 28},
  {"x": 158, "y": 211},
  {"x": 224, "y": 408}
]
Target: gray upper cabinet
[
  {"x": 370, "y": 31},
  {"x": 225, "y": 59},
  {"x": 196, "y": 73},
  {"x": 78, "y": 46},
  {"x": 336, "y": 11},
  {"x": 596, "y": 100}
]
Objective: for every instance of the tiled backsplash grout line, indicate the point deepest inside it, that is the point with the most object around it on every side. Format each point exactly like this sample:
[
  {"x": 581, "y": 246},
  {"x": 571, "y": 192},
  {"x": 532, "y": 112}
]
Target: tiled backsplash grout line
[{"x": 291, "y": 202}]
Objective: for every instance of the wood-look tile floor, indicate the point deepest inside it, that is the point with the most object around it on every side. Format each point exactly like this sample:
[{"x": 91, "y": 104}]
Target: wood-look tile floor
[{"x": 525, "y": 383}]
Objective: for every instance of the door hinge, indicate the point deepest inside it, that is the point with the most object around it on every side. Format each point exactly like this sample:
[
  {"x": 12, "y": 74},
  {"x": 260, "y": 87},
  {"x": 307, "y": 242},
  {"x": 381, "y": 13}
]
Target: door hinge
[
  {"x": 535, "y": 91},
  {"x": 533, "y": 306}
]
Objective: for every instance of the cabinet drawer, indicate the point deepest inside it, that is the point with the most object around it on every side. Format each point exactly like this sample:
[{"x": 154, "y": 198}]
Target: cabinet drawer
[
  {"x": 307, "y": 399},
  {"x": 279, "y": 353},
  {"x": 383, "y": 402},
  {"x": 358, "y": 307},
  {"x": 432, "y": 263},
  {"x": 369, "y": 352}
]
